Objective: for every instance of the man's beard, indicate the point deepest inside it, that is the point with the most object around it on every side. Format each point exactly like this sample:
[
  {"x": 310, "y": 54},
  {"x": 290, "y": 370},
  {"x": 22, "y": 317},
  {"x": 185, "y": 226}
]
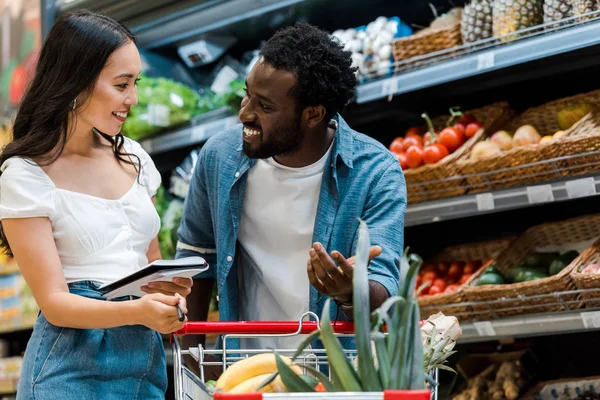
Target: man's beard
[{"x": 282, "y": 141}]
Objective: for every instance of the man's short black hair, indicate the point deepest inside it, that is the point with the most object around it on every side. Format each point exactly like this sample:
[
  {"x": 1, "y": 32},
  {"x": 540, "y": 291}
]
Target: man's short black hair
[{"x": 323, "y": 70}]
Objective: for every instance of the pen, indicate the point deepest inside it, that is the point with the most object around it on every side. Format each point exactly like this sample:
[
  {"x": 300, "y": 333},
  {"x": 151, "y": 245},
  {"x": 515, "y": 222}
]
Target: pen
[{"x": 180, "y": 313}]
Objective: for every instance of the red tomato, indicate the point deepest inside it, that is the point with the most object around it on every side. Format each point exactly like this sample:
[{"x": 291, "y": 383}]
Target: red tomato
[
  {"x": 434, "y": 290},
  {"x": 442, "y": 269},
  {"x": 456, "y": 270},
  {"x": 434, "y": 153},
  {"x": 451, "y": 288},
  {"x": 465, "y": 278},
  {"x": 425, "y": 291},
  {"x": 411, "y": 141},
  {"x": 429, "y": 276},
  {"x": 470, "y": 267},
  {"x": 396, "y": 146},
  {"x": 472, "y": 128},
  {"x": 451, "y": 138},
  {"x": 403, "y": 160},
  {"x": 460, "y": 128},
  {"x": 414, "y": 156},
  {"x": 428, "y": 268},
  {"x": 419, "y": 281},
  {"x": 440, "y": 283},
  {"x": 415, "y": 131}
]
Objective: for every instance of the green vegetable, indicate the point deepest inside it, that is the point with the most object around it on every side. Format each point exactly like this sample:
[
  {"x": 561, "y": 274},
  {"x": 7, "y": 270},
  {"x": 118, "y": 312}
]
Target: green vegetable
[
  {"x": 493, "y": 270},
  {"x": 539, "y": 259},
  {"x": 562, "y": 262},
  {"x": 490, "y": 278},
  {"x": 529, "y": 274}
]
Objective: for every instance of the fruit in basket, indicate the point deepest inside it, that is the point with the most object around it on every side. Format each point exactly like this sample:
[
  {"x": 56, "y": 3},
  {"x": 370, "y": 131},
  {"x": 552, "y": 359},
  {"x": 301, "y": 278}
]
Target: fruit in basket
[
  {"x": 476, "y": 23},
  {"x": 251, "y": 385},
  {"x": 540, "y": 259},
  {"x": 396, "y": 145},
  {"x": 546, "y": 139},
  {"x": 249, "y": 368},
  {"x": 484, "y": 149},
  {"x": 562, "y": 261},
  {"x": 490, "y": 278},
  {"x": 526, "y": 135},
  {"x": 514, "y": 15},
  {"x": 559, "y": 134},
  {"x": 410, "y": 141},
  {"x": 567, "y": 116},
  {"x": 451, "y": 138},
  {"x": 503, "y": 139},
  {"x": 591, "y": 269},
  {"x": 434, "y": 153},
  {"x": 414, "y": 156}
]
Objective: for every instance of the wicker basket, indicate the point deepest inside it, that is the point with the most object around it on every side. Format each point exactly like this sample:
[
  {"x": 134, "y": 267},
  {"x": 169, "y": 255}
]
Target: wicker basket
[
  {"x": 426, "y": 41},
  {"x": 557, "y": 235},
  {"x": 559, "y": 385},
  {"x": 442, "y": 179},
  {"x": 528, "y": 164},
  {"x": 465, "y": 252},
  {"x": 588, "y": 280}
]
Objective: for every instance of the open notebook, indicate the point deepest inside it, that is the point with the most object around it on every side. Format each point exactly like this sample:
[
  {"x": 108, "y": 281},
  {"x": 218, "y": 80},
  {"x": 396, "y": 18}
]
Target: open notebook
[{"x": 160, "y": 270}]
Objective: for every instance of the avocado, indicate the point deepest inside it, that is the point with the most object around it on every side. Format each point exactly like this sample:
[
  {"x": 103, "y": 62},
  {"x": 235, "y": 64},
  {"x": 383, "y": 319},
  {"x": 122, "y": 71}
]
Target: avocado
[
  {"x": 562, "y": 262},
  {"x": 492, "y": 270},
  {"x": 530, "y": 274},
  {"x": 490, "y": 278},
  {"x": 539, "y": 259}
]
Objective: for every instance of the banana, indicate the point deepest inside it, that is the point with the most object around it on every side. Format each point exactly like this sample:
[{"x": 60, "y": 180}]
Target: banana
[
  {"x": 250, "y": 385},
  {"x": 245, "y": 369}
]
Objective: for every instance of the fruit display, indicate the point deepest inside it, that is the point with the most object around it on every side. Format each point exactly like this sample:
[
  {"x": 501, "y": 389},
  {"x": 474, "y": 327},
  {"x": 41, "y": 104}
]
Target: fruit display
[
  {"x": 446, "y": 277},
  {"x": 502, "y": 381},
  {"x": 371, "y": 45},
  {"x": 477, "y": 21},
  {"x": 537, "y": 265},
  {"x": 514, "y": 15},
  {"x": 420, "y": 146}
]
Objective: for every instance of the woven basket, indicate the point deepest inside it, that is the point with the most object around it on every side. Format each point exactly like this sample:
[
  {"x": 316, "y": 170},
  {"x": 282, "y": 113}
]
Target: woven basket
[
  {"x": 588, "y": 280},
  {"x": 528, "y": 164},
  {"x": 442, "y": 179},
  {"x": 551, "y": 235},
  {"x": 465, "y": 252},
  {"x": 559, "y": 385},
  {"x": 426, "y": 41}
]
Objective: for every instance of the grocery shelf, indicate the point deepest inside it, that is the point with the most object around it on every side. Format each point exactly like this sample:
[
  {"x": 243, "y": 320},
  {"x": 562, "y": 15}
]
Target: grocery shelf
[
  {"x": 501, "y": 200},
  {"x": 485, "y": 56},
  {"x": 23, "y": 323},
  {"x": 196, "y": 133}
]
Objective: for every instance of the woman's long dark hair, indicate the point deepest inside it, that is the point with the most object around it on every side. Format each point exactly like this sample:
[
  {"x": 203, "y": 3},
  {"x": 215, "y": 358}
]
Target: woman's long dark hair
[{"x": 71, "y": 59}]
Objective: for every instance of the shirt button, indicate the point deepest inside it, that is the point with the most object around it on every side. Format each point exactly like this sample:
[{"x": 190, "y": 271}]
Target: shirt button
[
  {"x": 237, "y": 174},
  {"x": 229, "y": 259}
]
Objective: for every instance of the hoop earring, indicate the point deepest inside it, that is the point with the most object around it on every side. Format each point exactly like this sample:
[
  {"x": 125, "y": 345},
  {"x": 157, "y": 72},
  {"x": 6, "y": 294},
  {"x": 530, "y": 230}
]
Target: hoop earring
[{"x": 74, "y": 105}]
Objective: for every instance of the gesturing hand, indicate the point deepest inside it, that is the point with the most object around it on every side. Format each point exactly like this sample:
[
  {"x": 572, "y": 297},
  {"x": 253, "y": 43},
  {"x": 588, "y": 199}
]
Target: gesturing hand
[{"x": 330, "y": 279}]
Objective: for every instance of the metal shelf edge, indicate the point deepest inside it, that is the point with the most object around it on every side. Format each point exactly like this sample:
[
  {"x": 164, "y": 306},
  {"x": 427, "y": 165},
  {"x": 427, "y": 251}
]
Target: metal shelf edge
[{"x": 503, "y": 56}]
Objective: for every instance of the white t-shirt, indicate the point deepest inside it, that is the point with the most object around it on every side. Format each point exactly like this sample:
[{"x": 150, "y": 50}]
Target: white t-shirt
[
  {"x": 97, "y": 239},
  {"x": 275, "y": 235}
]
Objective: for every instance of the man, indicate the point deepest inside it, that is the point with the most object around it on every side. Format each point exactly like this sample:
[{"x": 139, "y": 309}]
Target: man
[{"x": 274, "y": 203}]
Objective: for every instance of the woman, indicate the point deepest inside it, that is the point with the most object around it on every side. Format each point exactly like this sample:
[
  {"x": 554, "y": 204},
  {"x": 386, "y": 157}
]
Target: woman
[{"x": 76, "y": 205}]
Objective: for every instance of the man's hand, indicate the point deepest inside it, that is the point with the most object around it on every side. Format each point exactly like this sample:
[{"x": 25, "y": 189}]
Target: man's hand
[{"x": 330, "y": 279}]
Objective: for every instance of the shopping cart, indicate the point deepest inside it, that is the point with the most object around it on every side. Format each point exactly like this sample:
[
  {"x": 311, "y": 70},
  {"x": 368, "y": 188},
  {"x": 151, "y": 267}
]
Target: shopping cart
[{"x": 189, "y": 386}]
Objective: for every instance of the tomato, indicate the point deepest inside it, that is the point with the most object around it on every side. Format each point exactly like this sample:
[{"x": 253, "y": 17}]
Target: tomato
[
  {"x": 442, "y": 269},
  {"x": 428, "y": 268},
  {"x": 425, "y": 291},
  {"x": 419, "y": 281},
  {"x": 456, "y": 270},
  {"x": 440, "y": 283},
  {"x": 434, "y": 290},
  {"x": 430, "y": 276},
  {"x": 465, "y": 278},
  {"x": 414, "y": 131},
  {"x": 470, "y": 267},
  {"x": 451, "y": 138},
  {"x": 414, "y": 156},
  {"x": 434, "y": 153},
  {"x": 320, "y": 388},
  {"x": 411, "y": 141},
  {"x": 460, "y": 128},
  {"x": 403, "y": 160},
  {"x": 472, "y": 128},
  {"x": 451, "y": 288},
  {"x": 396, "y": 146},
  {"x": 466, "y": 119}
]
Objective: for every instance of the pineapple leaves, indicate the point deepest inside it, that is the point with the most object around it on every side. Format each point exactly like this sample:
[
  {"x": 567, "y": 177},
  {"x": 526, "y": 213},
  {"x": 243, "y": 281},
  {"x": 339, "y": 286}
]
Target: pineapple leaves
[{"x": 292, "y": 382}]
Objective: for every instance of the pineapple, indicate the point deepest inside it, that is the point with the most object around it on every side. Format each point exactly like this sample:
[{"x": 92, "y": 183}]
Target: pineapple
[
  {"x": 555, "y": 10},
  {"x": 513, "y": 15},
  {"x": 477, "y": 21}
]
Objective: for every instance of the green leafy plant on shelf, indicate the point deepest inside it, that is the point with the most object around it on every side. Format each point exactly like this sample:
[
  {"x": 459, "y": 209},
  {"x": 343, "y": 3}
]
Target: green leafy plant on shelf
[{"x": 402, "y": 359}]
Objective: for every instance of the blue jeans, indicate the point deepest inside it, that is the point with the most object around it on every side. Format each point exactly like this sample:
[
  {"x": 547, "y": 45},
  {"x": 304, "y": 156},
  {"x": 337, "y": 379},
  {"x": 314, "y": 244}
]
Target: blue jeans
[{"x": 123, "y": 363}]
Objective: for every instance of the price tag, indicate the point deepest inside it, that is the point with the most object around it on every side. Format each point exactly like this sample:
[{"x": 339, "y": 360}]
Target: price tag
[
  {"x": 485, "y": 202},
  {"x": 591, "y": 320},
  {"x": 540, "y": 194},
  {"x": 389, "y": 87},
  {"x": 486, "y": 60},
  {"x": 581, "y": 188},
  {"x": 484, "y": 328},
  {"x": 198, "y": 133}
]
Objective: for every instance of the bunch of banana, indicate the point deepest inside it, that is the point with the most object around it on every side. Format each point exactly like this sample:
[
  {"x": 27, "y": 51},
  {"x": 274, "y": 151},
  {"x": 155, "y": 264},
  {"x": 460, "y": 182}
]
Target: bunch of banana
[{"x": 247, "y": 375}]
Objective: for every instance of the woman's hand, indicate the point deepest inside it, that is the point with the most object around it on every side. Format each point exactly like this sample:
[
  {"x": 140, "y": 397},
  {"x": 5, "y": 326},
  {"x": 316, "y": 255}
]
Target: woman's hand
[
  {"x": 158, "y": 312},
  {"x": 182, "y": 286}
]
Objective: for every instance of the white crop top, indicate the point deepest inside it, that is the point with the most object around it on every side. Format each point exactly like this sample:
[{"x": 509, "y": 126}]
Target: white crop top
[{"x": 97, "y": 239}]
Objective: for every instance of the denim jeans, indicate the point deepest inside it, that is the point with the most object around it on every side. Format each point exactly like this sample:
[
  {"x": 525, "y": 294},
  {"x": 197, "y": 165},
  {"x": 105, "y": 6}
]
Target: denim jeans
[{"x": 122, "y": 363}]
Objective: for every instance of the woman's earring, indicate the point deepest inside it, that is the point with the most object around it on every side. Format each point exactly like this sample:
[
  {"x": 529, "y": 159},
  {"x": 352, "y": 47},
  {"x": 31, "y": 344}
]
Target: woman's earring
[{"x": 74, "y": 104}]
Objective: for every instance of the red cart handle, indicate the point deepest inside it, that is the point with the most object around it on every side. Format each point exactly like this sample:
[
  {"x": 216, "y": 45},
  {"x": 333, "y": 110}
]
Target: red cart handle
[{"x": 259, "y": 327}]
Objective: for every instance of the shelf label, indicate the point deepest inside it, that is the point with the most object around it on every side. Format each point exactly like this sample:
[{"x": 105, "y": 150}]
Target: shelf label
[
  {"x": 581, "y": 188},
  {"x": 484, "y": 328},
  {"x": 591, "y": 320},
  {"x": 486, "y": 60},
  {"x": 389, "y": 87},
  {"x": 540, "y": 194},
  {"x": 198, "y": 133},
  {"x": 485, "y": 202}
]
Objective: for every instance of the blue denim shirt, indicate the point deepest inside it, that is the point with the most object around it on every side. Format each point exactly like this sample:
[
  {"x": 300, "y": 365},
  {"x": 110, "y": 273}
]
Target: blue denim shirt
[{"x": 362, "y": 179}]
